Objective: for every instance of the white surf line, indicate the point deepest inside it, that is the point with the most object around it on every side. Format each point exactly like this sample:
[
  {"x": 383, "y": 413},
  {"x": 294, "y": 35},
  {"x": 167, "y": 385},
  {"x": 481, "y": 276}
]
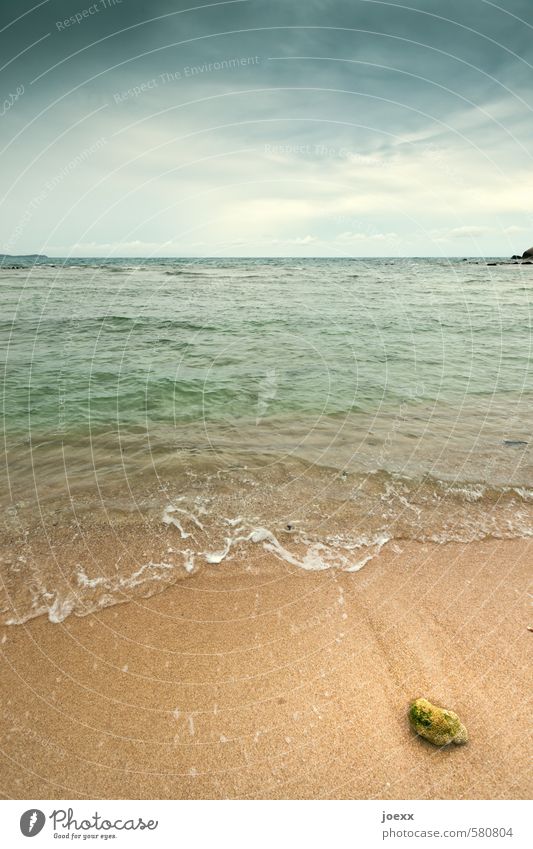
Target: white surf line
[
  {"x": 257, "y": 535},
  {"x": 270, "y": 543},
  {"x": 188, "y": 560},
  {"x": 133, "y": 580},
  {"x": 171, "y": 520},
  {"x": 311, "y": 562},
  {"x": 191, "y": 516},
  {"x": 167, "y": 519},
  {"x": 378, "y": 544}
]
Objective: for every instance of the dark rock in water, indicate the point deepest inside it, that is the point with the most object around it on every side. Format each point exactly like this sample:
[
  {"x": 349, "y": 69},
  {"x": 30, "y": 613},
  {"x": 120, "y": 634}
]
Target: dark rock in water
[
  {"x": 526, "y": 255},
  {"x": 515, "y": 442}
]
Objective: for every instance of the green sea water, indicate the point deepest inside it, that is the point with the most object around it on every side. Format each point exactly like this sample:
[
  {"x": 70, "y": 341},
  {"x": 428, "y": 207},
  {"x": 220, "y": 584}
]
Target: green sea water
[
  {"x": 138, "y": 343},
  {"x": 356, "y": 401}
]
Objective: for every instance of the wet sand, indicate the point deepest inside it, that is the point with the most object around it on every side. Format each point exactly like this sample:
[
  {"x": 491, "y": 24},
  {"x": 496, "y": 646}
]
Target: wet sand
[{"x": 255, "y": 679}]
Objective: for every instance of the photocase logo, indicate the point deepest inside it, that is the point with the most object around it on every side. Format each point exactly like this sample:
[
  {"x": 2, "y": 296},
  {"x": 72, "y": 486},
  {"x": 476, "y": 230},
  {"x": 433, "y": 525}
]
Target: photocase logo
[{"x": 32, "y": 822}]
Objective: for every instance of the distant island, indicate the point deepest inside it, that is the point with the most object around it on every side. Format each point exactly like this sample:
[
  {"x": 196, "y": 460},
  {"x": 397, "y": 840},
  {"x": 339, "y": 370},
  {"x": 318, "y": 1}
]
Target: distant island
[
  {"x": 22, "y": 256},
  {"x": 12, "y": 261}
]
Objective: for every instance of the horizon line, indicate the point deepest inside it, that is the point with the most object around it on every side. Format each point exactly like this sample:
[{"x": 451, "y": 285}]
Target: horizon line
[{"x": 258, "y": 256}]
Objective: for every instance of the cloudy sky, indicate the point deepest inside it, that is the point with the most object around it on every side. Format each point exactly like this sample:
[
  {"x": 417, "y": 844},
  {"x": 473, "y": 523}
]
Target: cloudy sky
[{"x": 266, "y": 127}]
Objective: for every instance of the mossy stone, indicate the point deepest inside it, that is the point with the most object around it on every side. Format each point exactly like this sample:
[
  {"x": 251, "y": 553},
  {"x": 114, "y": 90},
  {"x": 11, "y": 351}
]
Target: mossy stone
[{"x": 436, "y": 724}]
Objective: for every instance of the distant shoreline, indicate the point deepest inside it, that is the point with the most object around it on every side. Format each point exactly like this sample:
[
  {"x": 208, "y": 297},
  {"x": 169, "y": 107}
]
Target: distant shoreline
[{"x": 244, "y": 258}]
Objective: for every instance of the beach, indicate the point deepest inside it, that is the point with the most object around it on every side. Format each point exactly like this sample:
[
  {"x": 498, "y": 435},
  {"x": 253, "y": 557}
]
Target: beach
[
  {"x": 237, "y": 539},
  {"x": 266, "y": 472},
  {"x": 257, "y": 679}
]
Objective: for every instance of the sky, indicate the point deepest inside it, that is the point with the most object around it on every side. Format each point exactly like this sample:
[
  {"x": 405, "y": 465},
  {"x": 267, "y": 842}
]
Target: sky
[{"x": 266, "y": 128}]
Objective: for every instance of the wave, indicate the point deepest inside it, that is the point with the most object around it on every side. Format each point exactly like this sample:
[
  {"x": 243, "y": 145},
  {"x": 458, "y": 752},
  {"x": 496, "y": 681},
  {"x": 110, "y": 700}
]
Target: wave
[
  {"x": 200, "y": 532},
  {"x": 87, "y": 595}
]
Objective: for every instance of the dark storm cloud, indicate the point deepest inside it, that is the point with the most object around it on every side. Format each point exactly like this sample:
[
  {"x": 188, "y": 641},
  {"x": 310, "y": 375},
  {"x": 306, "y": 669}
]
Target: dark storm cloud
[
  {"x": 113, "y": 31},
  {"x": 284, "y": 80},
  {"x": 380, "y": 49}
]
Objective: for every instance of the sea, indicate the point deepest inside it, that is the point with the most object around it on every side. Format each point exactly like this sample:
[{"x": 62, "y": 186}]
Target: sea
[{"x": 319, "y": 409}]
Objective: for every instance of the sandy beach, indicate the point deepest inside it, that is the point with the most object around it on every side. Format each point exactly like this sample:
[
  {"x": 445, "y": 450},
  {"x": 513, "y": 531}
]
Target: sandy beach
[
  {"x": 266, "y": 490},
  {"x": 255, "y": 679}
]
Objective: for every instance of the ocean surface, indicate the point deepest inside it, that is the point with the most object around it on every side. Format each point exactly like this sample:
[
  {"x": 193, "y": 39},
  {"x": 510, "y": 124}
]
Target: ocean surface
[{"x": 320, "y": 409}]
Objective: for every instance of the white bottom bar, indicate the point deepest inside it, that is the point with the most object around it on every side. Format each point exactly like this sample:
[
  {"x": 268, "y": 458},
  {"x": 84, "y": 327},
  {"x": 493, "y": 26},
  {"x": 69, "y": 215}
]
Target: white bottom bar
[{"x": 268, "y": 825}]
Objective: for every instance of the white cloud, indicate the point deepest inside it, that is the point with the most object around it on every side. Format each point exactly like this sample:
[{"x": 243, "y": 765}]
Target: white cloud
[
  {"x": 367, "y": 237},
  {"x": 515, "y": 229},
  {"x": 227, "y": 192},
  {"x": 468, "y": 232}
]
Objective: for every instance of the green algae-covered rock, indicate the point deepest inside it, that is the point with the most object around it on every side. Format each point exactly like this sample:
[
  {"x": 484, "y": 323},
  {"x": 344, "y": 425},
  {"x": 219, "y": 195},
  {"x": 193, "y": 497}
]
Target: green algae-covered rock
[{"x": 438, "y": 725}]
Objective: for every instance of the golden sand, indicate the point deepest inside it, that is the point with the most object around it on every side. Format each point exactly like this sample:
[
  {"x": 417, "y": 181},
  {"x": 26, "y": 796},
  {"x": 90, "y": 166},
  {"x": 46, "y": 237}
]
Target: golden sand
[{"x": 254, "y": 679}]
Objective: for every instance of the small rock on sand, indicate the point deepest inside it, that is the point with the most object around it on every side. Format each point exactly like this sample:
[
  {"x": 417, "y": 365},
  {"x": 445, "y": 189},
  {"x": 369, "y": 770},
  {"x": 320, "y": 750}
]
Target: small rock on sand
[{"x": 438, "y": 725}]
